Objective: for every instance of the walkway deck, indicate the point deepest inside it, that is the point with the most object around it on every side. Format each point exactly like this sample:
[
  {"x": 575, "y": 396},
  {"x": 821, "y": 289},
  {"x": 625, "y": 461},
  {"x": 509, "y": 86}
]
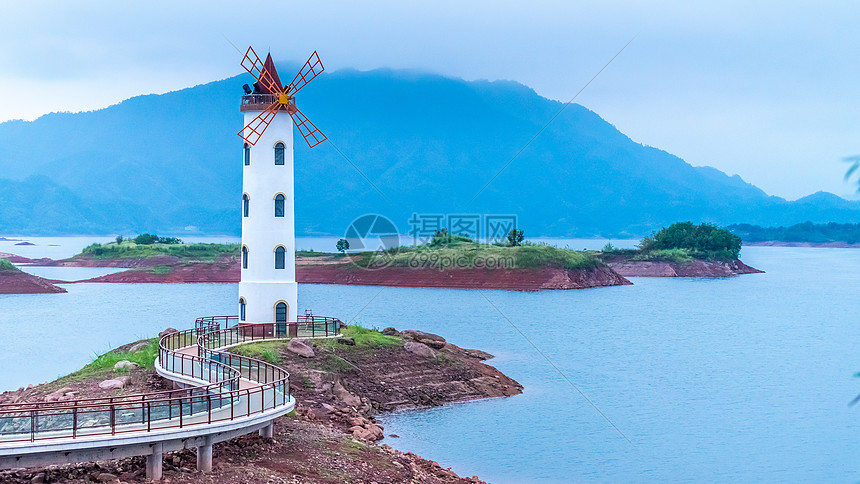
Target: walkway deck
[{"x": 222, "y": 397}]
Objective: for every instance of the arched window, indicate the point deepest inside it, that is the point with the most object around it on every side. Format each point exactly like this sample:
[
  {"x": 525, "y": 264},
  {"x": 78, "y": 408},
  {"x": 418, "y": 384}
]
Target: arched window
[
  {"x": 246, "y": 205},
  {"x": 281, "y": 312},
  {"x": 241, "y": 309},
  {"x": 247, "y": 154},
  {"x": 279, "y": 153},
  {"x": 280, "y": 257},
  {"x": 244, "y": 257},
  {"x": 279, "y": 205}
]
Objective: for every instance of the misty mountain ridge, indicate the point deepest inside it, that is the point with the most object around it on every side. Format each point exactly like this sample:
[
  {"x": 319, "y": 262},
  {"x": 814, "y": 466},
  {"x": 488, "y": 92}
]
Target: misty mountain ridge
[{"x": 160, "y": 163}]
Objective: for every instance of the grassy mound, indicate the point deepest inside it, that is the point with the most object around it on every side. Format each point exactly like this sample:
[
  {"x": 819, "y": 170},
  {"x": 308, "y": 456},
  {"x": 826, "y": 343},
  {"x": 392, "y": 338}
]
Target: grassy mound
[{"x": 128, "y": 249}]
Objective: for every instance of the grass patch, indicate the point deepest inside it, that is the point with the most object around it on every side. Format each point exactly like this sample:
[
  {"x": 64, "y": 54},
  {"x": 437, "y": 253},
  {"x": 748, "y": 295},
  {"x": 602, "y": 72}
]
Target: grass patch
[
  {"x": 681, "y": 256},
  {"x": 161, "y": 270},
  {"x": 145, "y": 357},
  {"x": 268, "y": 351},
  {"x": 364, "y": 338},
  {"x": 463, "y": 253},
  {"x": 128, "y": 249},
  {"x": 307, "y": 383}
]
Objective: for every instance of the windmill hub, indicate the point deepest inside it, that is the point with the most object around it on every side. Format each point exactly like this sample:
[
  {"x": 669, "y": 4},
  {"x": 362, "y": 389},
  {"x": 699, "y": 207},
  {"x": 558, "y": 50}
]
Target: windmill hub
[{"x": 283, "y": 98}]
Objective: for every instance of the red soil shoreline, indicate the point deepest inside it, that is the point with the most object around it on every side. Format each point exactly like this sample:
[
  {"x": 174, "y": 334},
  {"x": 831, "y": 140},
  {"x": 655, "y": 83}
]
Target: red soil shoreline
[{"x": 347, "y": 274}]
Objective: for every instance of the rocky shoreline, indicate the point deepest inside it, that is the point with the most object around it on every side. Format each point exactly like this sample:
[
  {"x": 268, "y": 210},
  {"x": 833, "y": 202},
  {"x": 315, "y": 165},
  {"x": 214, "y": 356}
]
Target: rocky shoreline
[
  {"x": 320, "y": 270},
  {"x": 695, "y": 268},
  {"x": 340, "y": 388}
]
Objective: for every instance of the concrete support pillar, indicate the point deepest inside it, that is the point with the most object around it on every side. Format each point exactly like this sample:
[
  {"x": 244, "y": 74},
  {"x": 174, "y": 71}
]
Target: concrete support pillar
[
  {"x": 153, "y": 463},
  {"x": 204, "y": 456},
  {"x": 268, "y": 432}
]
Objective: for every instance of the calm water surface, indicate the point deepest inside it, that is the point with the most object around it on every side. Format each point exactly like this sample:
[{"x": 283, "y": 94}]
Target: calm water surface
[{"x": 742, "y": 379}]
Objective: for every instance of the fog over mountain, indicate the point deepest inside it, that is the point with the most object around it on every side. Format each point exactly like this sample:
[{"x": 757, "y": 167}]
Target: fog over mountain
[{"x": 172, "y": 164}]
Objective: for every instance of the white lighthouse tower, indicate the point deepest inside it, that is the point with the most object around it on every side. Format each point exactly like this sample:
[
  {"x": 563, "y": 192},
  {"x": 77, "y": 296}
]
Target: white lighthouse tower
[
  {"x": 268, "y": 292},
  {"x": 268, "y": 289}
]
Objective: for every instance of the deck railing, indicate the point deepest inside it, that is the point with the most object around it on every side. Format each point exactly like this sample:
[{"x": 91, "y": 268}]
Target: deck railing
[{"x": 218, "y": 397}]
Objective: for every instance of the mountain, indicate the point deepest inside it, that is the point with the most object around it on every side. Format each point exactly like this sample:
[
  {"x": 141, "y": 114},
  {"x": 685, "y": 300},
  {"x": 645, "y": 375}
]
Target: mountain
[{"x": 164, "y": 163}]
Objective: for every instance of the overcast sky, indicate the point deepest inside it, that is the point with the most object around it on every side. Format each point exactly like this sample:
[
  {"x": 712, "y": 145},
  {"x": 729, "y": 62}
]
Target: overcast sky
[{"x": 769, "y": 90}]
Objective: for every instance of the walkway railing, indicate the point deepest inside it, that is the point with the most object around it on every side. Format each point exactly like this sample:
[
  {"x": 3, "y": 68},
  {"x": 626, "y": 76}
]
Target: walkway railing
[{"x": 225, "y": 387}]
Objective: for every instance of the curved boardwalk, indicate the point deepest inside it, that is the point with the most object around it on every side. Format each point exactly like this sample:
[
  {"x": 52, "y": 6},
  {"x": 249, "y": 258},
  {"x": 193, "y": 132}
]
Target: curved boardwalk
[{"x": 220, "y": 396}]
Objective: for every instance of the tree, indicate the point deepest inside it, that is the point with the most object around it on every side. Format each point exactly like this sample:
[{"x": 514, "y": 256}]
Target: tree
[
  {"x": 342, "y": 246},
  {"x": 119, "y": 239},
  {"x": 515, "y": 237}
]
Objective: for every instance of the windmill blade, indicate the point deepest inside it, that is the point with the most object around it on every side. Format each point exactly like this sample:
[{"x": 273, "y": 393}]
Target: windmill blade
[
  {"x": 312, "y": 135},
  {"x": 253, "y": 130},
  {"x": 312, "y": 68},
  {"x": 252, "y": 63}
]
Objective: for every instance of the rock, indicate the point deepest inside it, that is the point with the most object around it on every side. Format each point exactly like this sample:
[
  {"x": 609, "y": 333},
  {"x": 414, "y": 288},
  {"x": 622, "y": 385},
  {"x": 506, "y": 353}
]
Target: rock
[
  {"x": 105, "y": 477},
  {"x": 38, "y": 478},
  {"x": 118, "y": 382},
  {"x": 125, "y": 364},
  {"x": 328, "y": 408},
  {"x": 346, "y": 341},
  {"x": 390, "y": 332},
  {"x": 394, "y": 436},
  {"x": 167, "y": 331},
  {"x": 369, "y": 432},
  {"x": 141, "y": 345},
  {"x": 359, "y": 421},
  {"x": 429, "y": 339},
  {"x": 347, "y": 398},
  {"x": 301, "y": 347},
  {"x": 419, "y": 349}
]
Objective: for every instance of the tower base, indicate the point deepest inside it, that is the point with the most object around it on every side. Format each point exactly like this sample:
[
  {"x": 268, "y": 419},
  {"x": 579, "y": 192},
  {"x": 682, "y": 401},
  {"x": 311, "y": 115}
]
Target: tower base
[{"x": 262, "y": 300}]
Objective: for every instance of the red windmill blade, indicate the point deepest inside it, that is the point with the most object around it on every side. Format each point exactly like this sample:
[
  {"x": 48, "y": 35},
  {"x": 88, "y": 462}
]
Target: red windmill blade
[
  {"x": 312, "y": 68},
  {"x": 268, "y": 82},
  {"x": 251, "y": 62},
  {"x": 307, "y": 128}
]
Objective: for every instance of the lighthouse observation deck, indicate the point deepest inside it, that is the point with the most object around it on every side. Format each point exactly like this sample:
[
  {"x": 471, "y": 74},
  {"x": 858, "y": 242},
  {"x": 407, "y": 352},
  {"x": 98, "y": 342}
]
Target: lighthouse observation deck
[{"x": 259, "y": 102}]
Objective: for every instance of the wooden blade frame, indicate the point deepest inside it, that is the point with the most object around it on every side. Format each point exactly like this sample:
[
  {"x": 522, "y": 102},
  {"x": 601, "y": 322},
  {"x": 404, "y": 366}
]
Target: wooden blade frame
[
  {"x": 252, "y": 63},
  {"x": 312, "y": 68},
  {"x": 253, "y": 130},
  {"x": 307, "y": 128}
]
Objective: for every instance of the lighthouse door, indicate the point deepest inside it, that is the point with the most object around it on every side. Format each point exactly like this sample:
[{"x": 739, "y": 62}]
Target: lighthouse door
[{"x": 281, "y": 313}]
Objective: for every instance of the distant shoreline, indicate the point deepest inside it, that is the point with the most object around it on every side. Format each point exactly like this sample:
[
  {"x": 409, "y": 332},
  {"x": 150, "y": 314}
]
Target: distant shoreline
[{"x": 819, "y": 245}]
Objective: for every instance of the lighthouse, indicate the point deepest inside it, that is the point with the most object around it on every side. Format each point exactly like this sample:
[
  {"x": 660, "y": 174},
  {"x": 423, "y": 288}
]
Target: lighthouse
[{"x": 268, "y": 291}]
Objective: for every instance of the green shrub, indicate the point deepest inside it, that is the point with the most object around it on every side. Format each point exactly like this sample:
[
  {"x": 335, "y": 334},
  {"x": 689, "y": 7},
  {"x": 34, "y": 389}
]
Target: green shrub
[
  {"x": 703, "y": 241},
  {"x": 7, "y": 266}
]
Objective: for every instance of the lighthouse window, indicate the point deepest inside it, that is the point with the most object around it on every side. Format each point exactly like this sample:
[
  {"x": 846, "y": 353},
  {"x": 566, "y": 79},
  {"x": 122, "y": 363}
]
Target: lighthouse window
[
  {"x": 241, "y": 309},
  {"x": 281, "y": 312},
  {"x": 279, "y": 154},
  {"x": 279, "y": 206},
  {"x": 246, "y": 202},
  {"x": 247, "y": 153},
  {"x": 244, "y": 257},
  {"x": 280, "y": 257}
]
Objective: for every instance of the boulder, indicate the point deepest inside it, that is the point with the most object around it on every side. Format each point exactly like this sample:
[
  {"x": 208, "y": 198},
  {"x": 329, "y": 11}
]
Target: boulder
[
  {"x": 390, "y": 332},
  {"x": 301, "y": 347},
  {"x": 125, "y": 364},
  {"x": 419, "y": 349},
  {"x": 345, "y": 397},
  {"x": 370, "y": 432},
  {"x": 346, "y": 341},
  {"x": 141, "y": 345},
  {"x": 429, "y": 339},
  {"x": 118, "y": 382},
  {"x": 167, "y": 331}
]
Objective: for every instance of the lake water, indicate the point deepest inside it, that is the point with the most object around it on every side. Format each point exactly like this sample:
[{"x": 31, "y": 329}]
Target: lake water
[{"x": 741, "y": 379}]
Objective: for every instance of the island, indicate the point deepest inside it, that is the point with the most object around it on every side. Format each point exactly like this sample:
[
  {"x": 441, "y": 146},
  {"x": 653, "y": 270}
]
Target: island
[
  {"x": 341, "y": 387},
  {"x": 16, "y": 281},
  {"x": 681, "y": 250},
  {"x": 446, "y": 261}
]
